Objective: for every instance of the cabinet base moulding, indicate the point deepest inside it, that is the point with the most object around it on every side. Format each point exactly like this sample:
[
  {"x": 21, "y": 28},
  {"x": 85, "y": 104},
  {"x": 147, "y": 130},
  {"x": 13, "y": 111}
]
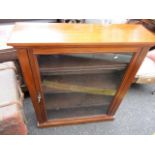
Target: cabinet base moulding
[{"x": 75, "y": 120}]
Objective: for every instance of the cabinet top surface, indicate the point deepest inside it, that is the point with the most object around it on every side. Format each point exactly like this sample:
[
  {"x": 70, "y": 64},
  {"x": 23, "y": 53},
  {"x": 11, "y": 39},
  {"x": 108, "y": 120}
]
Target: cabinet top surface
[{"x": 41, "y": 34}]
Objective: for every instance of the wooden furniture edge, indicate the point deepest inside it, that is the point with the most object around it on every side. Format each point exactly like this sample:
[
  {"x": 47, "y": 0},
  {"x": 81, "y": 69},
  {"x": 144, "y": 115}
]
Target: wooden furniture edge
[
  {"x": 37, "y": 82},
  {"x": 65, "y": 50},
  {"x": 75, "y": 120},
  {"x": 27, "y": 72}
]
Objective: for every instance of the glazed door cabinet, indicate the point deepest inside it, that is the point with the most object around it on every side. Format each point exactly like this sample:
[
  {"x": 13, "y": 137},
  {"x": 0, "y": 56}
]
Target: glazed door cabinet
[
  {"x": 79, "y": 87},
  {"x": 75, "y": 78}
]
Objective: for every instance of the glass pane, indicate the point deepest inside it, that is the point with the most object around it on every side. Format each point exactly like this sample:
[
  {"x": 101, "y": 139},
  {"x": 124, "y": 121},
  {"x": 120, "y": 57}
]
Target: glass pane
[{"x": 77, "y": 85}]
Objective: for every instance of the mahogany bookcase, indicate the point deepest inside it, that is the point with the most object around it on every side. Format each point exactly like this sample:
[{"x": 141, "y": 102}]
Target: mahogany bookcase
[{"x": 78, "y": 73}]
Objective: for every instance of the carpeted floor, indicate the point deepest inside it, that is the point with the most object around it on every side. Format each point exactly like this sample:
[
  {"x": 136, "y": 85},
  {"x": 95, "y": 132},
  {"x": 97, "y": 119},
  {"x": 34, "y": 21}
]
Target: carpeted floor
[{"x": 136, "y": 116}]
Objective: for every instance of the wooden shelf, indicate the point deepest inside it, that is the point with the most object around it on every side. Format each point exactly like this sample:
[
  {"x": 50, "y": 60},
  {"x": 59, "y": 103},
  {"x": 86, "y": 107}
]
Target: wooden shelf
[
  {"x": 75, "y": 105},
  {"x": 108, "y": 81},
  {"x": 68, "y": 64},
  {"x": 76, "y": 112},
  {"x": 74, "y": 100}
]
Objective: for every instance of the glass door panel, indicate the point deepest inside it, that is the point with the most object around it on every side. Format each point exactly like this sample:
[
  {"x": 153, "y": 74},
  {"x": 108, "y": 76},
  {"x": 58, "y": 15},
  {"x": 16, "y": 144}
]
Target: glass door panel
[{"x": 78, "y": 85}]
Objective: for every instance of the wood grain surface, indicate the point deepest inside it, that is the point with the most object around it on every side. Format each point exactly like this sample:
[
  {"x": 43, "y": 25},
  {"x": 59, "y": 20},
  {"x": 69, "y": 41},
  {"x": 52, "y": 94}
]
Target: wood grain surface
[{"x": 41, "y": 34}]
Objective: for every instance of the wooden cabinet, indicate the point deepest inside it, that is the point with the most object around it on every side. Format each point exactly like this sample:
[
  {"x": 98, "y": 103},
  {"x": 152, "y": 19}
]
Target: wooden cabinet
[{"x": 79, "y": 73}]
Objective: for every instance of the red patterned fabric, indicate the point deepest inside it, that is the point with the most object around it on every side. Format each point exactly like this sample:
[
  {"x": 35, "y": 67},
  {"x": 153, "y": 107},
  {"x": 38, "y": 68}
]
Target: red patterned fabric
[{"x": 12, "y": 120}]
